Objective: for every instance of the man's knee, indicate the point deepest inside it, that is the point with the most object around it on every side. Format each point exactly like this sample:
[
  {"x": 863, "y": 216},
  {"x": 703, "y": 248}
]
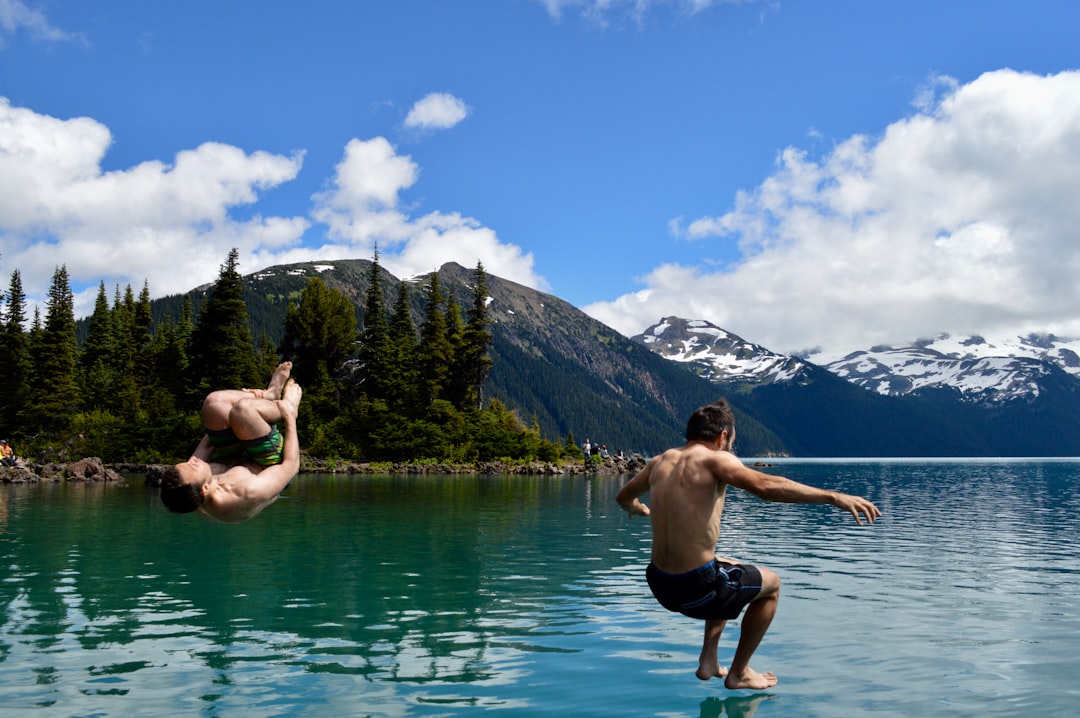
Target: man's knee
[
  {"x": 215, "y": 410},
  {"x": 244, "y": 409},
  {"x": 770, "y": 583}
]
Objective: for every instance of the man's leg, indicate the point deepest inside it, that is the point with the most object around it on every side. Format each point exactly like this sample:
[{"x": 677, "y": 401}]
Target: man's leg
[
  {"x": 759, "y": 614},
  {"x": 708, "y": 663},
  {"x": 251, "y": 418},
  {"x": 218, "y": 405}
]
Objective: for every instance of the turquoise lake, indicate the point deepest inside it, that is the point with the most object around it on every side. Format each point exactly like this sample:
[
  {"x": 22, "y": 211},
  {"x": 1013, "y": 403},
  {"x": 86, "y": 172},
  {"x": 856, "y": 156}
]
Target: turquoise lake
[{"x": 450, "y": 595}]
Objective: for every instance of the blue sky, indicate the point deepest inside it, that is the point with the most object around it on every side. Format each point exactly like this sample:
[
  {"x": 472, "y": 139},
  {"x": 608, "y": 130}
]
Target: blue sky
[{"x": 817, "y": 175}]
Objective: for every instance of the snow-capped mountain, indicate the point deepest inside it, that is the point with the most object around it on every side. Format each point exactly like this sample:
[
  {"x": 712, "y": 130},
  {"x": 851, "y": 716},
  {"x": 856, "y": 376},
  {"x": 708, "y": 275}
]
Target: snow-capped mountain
[
  {"x": 981, "y": 369},
  {"x": 718, "y": 355}
]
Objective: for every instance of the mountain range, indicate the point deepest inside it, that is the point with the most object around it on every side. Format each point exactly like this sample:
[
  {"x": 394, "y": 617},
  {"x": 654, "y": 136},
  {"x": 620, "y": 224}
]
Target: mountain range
[
  {"x": 571, "y": 374},
  {"x": 946, "y": 396}
]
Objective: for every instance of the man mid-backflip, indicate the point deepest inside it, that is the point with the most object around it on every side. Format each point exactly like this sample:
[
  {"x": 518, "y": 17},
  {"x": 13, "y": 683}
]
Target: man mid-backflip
[{"x": 244, "y": 461}]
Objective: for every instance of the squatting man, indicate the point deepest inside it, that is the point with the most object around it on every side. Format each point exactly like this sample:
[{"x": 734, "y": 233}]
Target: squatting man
[{"x": 687, "y": 487}]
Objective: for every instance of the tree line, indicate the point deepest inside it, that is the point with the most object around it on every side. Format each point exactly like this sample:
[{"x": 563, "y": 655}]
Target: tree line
[{"x": 128, "y": 387}]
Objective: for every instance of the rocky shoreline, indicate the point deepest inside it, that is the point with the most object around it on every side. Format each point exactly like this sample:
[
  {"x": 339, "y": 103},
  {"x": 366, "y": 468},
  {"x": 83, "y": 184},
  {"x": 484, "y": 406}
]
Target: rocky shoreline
[{"x": 92, "y": 469}]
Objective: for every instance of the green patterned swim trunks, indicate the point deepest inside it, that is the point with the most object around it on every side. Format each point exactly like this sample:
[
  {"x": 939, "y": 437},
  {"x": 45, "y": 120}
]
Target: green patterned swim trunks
[{"x": 265, "y": 451}]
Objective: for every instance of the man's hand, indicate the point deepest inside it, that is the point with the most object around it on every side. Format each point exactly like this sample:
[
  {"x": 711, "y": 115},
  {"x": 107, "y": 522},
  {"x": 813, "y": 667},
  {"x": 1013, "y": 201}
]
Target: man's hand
[
  {"x": 637, "y": 509},
  {"x": 857, "y": 505}
]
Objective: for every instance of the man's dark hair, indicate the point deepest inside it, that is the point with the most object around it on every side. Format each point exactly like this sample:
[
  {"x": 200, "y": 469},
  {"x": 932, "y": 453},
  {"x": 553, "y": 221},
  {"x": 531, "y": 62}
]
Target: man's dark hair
[
  {"x": 711, "y": 420},
  {"x": 178, "y": 496}
]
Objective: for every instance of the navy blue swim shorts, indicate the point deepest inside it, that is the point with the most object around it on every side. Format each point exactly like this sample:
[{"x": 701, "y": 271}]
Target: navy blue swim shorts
[{"x": 717, "y": 590}]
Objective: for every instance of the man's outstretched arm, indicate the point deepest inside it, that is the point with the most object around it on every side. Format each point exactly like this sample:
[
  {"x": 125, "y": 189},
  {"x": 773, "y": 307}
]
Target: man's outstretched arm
[{"x": 784, "y": 490}]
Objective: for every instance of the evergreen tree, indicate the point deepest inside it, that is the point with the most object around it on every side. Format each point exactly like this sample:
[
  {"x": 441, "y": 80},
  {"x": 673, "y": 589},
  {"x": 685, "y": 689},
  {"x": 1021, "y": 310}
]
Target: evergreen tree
[
  {"x": 473, "y": 360},
  {"x": 320, "y": 335},
  {"x": 124, "y": 399},
  {"x": 142, "y": 327},
  {"x": 435, "y": 349},
  {"x": 98, "y": 355},
  {"x": 15, "y": 362},
  {"x": 222, "y": 355},
  {"x": 169, "y": 349},
  {"x": 98, "y": 344},
  {"x": 55, "y": 395},
  {"x": 401, "y": 349},
  {"x": 374, "y": 336}
]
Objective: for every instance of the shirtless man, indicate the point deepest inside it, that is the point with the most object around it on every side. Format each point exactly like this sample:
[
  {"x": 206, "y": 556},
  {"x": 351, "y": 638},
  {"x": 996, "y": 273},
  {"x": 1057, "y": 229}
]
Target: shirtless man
[
  {"x": 243, "y": 462},
  {"x": 687, "y": 487}
]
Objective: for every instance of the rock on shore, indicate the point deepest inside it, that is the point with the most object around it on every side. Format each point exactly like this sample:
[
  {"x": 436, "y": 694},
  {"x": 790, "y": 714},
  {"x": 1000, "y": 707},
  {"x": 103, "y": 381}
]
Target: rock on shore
[
  {"x": 88, "y": 469},
  {"x": 93, "y": 469}
]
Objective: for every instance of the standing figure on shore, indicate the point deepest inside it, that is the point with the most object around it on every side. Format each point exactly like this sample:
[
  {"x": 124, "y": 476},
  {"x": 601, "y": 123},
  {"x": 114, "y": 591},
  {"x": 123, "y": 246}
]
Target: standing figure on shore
[
  {"x": 244, "y": 461},
  {"x": 687, "y": 487}
]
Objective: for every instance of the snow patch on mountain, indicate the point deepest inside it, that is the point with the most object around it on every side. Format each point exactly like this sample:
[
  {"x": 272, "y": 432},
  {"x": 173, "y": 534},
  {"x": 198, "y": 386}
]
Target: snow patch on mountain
[
  {"x": 981, "y": 369},
  {"x": 716, "y": 354},
  {"x": 997, "y": 369}
]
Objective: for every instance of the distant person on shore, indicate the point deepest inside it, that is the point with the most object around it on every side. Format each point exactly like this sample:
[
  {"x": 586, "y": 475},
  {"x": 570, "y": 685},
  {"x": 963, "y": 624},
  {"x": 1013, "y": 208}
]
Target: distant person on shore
[
  {"x": 7, "y": 454},
  {"x": 244, "y": 461},
  {"x": 687, "y": 487}
]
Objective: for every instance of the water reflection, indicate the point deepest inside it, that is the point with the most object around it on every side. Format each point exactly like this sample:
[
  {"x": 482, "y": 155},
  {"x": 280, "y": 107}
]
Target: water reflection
[{"x": 393, "y": 596}]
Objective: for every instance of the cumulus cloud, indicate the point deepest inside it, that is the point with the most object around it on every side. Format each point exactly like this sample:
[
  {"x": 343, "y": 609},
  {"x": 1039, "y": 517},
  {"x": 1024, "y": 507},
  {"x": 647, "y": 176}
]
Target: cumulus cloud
[
  {"x": 173, "y": 224},
  {"x": 167, "y": 224},
  {"x": 362, "y": 208},
  {"x": 960, "y": 218},
  {"x": 437, "y": 111}
]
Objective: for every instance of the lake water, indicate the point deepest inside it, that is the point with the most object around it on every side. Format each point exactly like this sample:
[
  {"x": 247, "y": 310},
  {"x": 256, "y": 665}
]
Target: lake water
[{"x": 433, "y": 596}]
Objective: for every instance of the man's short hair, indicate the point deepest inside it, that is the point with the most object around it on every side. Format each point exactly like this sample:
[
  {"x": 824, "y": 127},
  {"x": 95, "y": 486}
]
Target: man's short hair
[
  {"x": 711, "y": 420},
  {"x": 179, "y": 496}
]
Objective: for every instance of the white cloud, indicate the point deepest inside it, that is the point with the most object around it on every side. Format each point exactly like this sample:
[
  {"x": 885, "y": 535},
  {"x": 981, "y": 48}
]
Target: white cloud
[
  {"x": 603, "y": 11},
  {"x": 166, "y": 224},
  {"x": 172, "y": 225},
  {"x": 15, "y": 15},
  {"x": 437, "y": 111},
  {"x": 362, "y": 208},
  {"x": 960, "y": 218}
]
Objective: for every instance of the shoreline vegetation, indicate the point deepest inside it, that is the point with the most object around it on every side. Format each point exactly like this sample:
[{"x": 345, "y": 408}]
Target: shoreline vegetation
[{"x": 92, "y": 469}]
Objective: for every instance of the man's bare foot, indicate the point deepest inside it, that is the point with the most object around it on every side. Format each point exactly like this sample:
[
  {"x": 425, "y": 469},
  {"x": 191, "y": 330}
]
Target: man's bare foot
[
  {"x": 292, "y": 395},
  {"x": 705, "y": 674},
  {"x": 750, "y": 679},
  {"x": 277, "y": 381}
]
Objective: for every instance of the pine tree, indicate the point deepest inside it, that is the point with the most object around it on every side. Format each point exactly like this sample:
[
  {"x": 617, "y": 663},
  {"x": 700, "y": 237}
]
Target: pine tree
[
  {"x": 374, "y": 336},
  {"x": 97, "y": 358},
  {"x": 170, "y": 365},
  {"x": 124, "y": 396},
  {"x": 56, "y": 393},
  {"x": 320, "y": 335},
  {"x": 143, "y": 331},
  {"x": 473, "y": 359},
  {"x": 401, "y": 348},
  {"x": 434, "y": 350},
  {"x": 15, "y": 362},
  {"x": 222, "y": 354}
]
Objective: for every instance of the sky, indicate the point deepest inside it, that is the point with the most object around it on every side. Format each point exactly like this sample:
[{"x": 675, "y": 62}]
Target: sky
[{"x": 814, "y": 176}]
